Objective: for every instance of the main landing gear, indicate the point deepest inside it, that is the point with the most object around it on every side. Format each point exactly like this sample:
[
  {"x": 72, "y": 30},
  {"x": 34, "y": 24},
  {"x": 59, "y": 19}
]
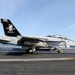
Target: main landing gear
[
  {"x": 60, "y": 51},
  {"x": 30, "y": 50}
]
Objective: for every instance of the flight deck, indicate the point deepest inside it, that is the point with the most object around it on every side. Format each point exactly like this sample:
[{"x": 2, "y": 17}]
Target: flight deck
[{"x": 13, "y": 62}]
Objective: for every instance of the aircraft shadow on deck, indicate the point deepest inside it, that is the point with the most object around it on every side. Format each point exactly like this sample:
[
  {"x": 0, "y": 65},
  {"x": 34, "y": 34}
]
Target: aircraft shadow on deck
[{"x": 20, "y": 51}]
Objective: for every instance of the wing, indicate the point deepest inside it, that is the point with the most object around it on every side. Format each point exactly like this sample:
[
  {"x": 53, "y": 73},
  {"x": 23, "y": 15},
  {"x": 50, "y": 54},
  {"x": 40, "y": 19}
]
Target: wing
[{"x": 29, "y": 40}]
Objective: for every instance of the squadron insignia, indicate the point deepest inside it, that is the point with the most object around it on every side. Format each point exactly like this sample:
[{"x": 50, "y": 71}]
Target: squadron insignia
[{"x": 10, "y": 28}]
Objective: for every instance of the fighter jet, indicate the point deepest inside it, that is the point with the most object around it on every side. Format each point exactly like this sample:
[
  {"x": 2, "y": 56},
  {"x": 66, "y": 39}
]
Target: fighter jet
[{"x": 30, "y": 44}]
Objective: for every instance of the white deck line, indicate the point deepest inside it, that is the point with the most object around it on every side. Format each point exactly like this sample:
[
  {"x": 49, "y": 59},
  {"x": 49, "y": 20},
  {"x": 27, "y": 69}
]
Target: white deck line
[{"x": 33, "y": 59}]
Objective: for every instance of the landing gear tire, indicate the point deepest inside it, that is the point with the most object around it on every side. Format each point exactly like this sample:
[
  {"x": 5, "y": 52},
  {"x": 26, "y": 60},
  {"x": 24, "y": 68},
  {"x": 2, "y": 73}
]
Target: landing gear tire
[
  {"x": 30, "y": 51},
  {"x": 60, "y": 51}
]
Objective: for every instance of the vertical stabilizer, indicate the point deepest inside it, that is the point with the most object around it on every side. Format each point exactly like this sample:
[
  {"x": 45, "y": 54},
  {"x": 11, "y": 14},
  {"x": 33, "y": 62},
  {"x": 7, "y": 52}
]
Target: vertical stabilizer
[{"x": 9, "y": 28}]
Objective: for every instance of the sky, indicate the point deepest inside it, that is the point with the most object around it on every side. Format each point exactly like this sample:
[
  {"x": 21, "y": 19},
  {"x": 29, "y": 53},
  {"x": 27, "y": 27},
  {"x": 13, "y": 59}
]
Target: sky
[{"x": 40, "y": 17}]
